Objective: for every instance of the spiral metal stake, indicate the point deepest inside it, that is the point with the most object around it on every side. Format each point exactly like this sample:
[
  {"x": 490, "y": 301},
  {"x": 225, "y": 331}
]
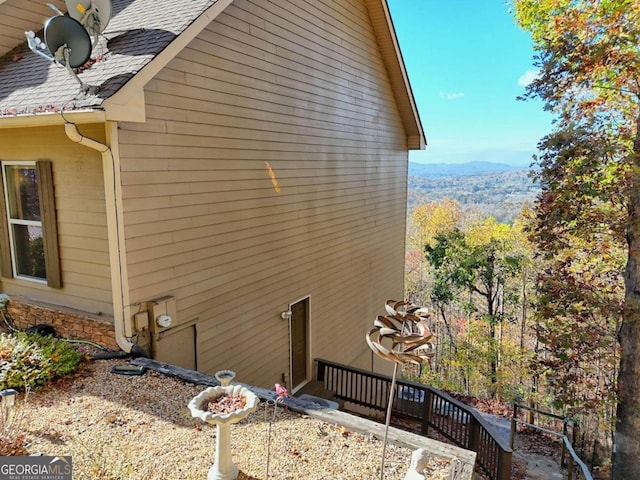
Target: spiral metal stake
[
  {"x": 405, "y": 325},
  {"x": 388, "y": 419},
  {"x": 268, "y": 404}
]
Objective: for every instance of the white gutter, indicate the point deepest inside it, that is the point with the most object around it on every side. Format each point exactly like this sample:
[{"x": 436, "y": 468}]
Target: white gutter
[
  {"x": 53, "y": 118},
  {"x": 111, "y": 175}
]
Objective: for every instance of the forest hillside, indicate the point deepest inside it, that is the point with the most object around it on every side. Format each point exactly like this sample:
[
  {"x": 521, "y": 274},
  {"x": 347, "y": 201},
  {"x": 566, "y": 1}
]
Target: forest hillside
[
  {"x": 509, "y": 322},
  {"x": 492, "y": 189}
]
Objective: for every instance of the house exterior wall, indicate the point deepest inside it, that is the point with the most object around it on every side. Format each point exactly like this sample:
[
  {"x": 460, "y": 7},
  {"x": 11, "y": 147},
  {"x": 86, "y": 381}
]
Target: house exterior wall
[
  {"x": 300, "y": 85},
  {"x": 80, "y": 208}
]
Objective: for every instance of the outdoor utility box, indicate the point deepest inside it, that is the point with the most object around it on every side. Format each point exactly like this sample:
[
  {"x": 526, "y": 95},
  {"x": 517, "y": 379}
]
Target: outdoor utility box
[
  {"x": 162, "y": 313},
  {"x": 141, "y": 321},
  {"x": 172, "y": 341}
]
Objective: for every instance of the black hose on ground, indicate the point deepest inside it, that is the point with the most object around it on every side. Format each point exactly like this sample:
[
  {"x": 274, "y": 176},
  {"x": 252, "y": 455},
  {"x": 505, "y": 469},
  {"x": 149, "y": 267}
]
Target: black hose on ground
[
  {"x": 107, "y": 354},
  {"x": 138, "y": 351}
]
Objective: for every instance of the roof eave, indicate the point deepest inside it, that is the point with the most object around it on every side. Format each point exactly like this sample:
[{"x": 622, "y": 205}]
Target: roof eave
[
  {"x": 127, "y": 104},
  {"x": 416, "y": 142},
  {"x": 127, "y": 108},
  {"x": 392, "y": 57},
  {"x": 134, "y": 88}
]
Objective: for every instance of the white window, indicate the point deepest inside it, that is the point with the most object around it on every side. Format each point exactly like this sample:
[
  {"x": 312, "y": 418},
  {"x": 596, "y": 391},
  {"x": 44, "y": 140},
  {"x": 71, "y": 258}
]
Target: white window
[{"x": 28, "y": 199}]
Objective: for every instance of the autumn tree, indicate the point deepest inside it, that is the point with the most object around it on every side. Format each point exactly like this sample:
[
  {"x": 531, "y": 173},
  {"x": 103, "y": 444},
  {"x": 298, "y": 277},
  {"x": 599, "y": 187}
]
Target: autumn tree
[
  {"x": 579, "y": 300},
  {"x": 478, "y": 262},
  {"x": 426, "y": 222},
  {"x": 588, "y": 53},
  {"x": 435, "y": 218}
]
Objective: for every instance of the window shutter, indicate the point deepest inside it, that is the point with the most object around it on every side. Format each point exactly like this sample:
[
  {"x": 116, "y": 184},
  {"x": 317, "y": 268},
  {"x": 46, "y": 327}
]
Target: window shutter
[
  {"x": 6, "y": 269},
  {"x": 49, "y": 223}
]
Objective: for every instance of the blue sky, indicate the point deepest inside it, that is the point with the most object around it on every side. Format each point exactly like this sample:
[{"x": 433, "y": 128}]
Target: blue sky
[{"x": 467, "y": 61}]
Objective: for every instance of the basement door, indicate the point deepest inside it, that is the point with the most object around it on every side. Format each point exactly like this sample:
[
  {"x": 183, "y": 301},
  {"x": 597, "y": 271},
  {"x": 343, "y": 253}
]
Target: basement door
[{"x": 299, "y": 337}]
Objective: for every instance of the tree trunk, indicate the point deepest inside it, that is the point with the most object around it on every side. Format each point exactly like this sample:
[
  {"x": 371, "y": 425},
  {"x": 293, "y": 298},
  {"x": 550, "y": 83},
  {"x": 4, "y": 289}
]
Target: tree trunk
[
  {"x": 534, "y": 384},
  {"x": 452, "y": 340},
  {"x": 627, "y": 438},
  {"x": 493, "y": 361},
  {"x": 453, "y": 344},
  {"x": 523, "y": 324}
]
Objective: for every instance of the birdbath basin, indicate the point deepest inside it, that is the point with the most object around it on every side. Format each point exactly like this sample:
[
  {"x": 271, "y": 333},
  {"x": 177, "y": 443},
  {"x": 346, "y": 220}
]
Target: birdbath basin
[{"x": 223, "y": 406}]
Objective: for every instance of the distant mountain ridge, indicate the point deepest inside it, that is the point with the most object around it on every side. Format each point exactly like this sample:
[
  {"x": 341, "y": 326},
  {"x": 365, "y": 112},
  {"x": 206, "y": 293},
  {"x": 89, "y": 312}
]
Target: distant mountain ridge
[
  {"x": 434, "y": 170},
  {"x": 501, "y": 194}
]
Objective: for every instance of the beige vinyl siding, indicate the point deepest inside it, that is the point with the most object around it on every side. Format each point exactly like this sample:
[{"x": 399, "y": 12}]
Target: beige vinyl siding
[
  {"x": 18, "y": 16},
  {"x": 79, "y": 202},
  {"x": 300, "y": 85}
]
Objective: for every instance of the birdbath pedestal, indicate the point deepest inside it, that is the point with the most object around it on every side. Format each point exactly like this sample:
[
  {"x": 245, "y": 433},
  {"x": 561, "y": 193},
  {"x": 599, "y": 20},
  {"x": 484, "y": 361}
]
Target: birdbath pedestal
[
  {"x": 225, "y": 377},
  {"x": 223, "y": 467}
]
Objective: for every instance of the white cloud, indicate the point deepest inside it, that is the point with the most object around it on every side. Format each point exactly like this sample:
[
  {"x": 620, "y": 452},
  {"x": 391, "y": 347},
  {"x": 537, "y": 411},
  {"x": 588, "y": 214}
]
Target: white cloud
[
  {"x": 528, "y": 77},
  {"x": 451, "y": 96}
]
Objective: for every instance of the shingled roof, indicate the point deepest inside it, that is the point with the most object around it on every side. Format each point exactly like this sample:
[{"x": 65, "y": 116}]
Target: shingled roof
[
  {"x": 138, "y": 31},
  {"x": 141, "y": 38}
]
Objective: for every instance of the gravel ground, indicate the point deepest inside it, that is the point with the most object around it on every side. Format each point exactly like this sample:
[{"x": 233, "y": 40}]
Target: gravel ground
[{"x": 138, "y": 427}]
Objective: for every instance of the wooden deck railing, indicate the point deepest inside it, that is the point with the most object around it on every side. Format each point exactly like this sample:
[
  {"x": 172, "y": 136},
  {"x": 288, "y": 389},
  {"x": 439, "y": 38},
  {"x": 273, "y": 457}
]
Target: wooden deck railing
[
  {"x": 461, "y": 424},
  {"x": 576, "y": 468}
]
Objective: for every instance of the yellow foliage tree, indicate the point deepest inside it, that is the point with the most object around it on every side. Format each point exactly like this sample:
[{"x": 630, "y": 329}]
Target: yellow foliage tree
[{"x": 426, "y": 223}]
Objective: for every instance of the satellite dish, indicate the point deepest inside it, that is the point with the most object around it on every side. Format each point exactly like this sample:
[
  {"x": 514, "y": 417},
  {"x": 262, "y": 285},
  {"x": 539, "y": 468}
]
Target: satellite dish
[
  {"x": 94, "y": 15},
  {"x": 67, "y": 38},
  {"x": 70, "y": 35}
]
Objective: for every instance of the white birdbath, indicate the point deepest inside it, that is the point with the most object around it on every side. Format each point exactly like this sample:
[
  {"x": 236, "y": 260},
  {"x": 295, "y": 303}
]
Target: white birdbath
[{"x": 223, "y": 467}]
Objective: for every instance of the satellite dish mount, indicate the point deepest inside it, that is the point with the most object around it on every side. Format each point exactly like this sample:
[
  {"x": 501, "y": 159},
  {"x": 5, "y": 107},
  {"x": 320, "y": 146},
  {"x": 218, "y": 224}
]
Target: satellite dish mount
[
  {"x": 93, "y": 15},
  {"x": 61, "y": 57},
  {"x": 66, "y": 39}
]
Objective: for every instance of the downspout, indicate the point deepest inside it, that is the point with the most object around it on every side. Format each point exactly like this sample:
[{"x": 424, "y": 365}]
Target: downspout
[{"x": 122, "y": 319}]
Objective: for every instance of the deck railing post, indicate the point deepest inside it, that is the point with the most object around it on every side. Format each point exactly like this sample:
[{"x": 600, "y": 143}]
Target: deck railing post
[
  {"x": 531, "y": 412},
  {"x": 570, "y": 468},
  {"x": 320, "y": 371},
  {"x": 512, "y": 436},
  {"x": 564, "y": 448},
  {"x": 504, "y": 465},
  {"x": 427, "y": 411},
  {"x": 474, "y": 434}
]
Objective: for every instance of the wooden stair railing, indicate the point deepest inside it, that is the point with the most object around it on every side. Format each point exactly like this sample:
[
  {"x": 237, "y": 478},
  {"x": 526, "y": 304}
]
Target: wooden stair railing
[{"x": 458, "y": 422}]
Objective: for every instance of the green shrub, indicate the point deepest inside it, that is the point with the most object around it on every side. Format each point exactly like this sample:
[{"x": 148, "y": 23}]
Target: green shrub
[{"x": 28, "y": 360}]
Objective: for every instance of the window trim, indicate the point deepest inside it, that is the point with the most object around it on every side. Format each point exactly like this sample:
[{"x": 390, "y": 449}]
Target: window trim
[
  {"x": 14, "y": 221},
  {"x": 48, "y": 223}
]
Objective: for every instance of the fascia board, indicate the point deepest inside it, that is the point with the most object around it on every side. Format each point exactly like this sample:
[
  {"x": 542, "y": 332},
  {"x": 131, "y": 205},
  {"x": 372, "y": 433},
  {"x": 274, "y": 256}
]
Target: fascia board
[
  {"x": 53, "y": 118},
  {"x": 392, "y": 57}
]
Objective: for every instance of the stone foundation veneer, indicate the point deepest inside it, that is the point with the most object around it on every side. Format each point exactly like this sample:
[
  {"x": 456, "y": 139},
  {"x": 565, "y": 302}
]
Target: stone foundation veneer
[{"x": 75, "y": 326}]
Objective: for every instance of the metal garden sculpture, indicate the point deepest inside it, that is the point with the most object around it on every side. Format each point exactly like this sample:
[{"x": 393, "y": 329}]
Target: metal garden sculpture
[{"x": 406, "y": 329}]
